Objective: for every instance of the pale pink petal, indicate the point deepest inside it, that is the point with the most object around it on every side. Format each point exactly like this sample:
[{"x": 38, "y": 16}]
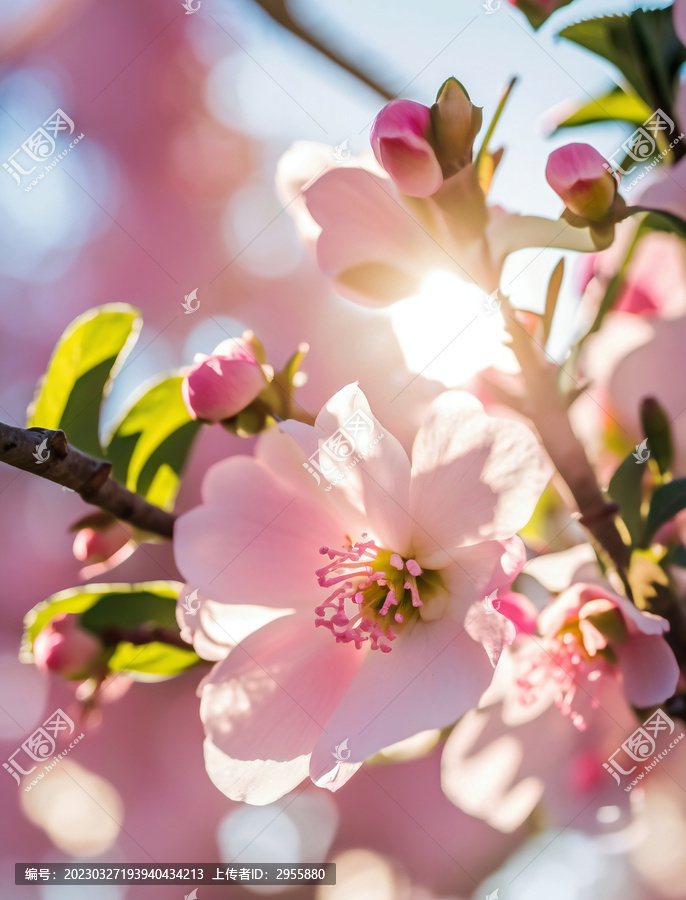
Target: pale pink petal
[
  {"x": 668, "y": 191},
  {"x": 491, "y": 629},
  {"x": 474, "y": 477},
  {"x": 519, "y": 610},
  {"x": 399, "y": 144},
  {"x": 215, "y": 628},
  {"x": 264, "y": 707},
  {"x": 254, "y": 540},
  {"x": 473, "y": 574},
  {"x": 649, "y": 669},
  {"x": 363, "y": 462},
  {"x": 434, "y": 673},
  {"x": 369, "y": 232},
  {"x": 556, "y": 571}
]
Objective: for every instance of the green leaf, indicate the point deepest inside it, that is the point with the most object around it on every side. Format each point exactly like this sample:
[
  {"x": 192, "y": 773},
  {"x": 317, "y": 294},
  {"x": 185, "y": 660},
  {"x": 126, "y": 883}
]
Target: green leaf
[
  {"x": 643, "y": 46},
  {"x": 107, "y": 607},
  {"x": 617, "y": 105},
  {"x": 151, "y": 659},
  {"x": 667, "y": 501},
  {"x": 83, "y": 364},
  {"x": 150, "y": 443},
  {"x": 626, "y": 489},
  {"x": 657, "y": 428}
]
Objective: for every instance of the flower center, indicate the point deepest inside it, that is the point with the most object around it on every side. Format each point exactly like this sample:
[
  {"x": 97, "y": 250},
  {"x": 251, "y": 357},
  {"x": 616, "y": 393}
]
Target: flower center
[{"x": 375, "y": 594}]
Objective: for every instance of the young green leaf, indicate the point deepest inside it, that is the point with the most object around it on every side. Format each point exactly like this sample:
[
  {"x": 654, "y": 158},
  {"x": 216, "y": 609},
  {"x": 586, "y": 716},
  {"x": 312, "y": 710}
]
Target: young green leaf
[
  {"x": 113, "y": 612},
  {"x": 149, "y": 445},
  {"x": 615, "y": 106},
  {"x": 83, "y": 364},
  {"x": 667, "y": 501},
  {"x": 625, "y": 488}
]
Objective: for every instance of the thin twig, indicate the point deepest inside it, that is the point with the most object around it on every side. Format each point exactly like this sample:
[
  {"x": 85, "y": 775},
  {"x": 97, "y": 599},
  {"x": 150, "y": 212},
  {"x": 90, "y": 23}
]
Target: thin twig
[
  {"x": 278, "y": 11},
  {"x": 46, "y": 453}
]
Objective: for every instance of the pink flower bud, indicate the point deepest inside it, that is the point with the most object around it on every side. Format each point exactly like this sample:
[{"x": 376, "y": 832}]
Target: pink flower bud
[
  {"x": 66, "y": 649},
  {"x": 95, "y": 545},
  {"x": 582, "y": 178},
  {"x": 399, "y": 139},
  {"x": 224, "y": 383}
]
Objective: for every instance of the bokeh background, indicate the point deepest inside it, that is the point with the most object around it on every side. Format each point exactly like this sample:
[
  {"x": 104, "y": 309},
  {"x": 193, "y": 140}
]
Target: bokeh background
[{"x": 185, "y": 117}]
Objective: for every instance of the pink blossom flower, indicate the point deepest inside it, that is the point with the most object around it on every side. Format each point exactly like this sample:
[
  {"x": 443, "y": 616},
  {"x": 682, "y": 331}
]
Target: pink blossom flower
[
  {"x": 66, "y": 649},
  {"x": 589, "y": 633},
  {"x": 381, "y": 579},
  {"x": 377, "y": 243},
  {"x": 592, "y": 656},
  {"x": 581, "y": 177},
  {"x": 224, "y": 383}
]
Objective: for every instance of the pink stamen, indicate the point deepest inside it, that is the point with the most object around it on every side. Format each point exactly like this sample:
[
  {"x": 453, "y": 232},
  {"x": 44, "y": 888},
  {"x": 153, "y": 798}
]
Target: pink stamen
[
  {"x": 391, "y": 600},
  {"x": 412, "y": 588},
  {"x": 350, "y": 575},
  {"x": 414, "y": 568}
]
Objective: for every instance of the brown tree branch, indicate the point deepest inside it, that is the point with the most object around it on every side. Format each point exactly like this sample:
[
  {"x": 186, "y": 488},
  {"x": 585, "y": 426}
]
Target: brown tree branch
[
  {"x": 46, "y": 453},
  {"x": 548, "y": 412}
]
